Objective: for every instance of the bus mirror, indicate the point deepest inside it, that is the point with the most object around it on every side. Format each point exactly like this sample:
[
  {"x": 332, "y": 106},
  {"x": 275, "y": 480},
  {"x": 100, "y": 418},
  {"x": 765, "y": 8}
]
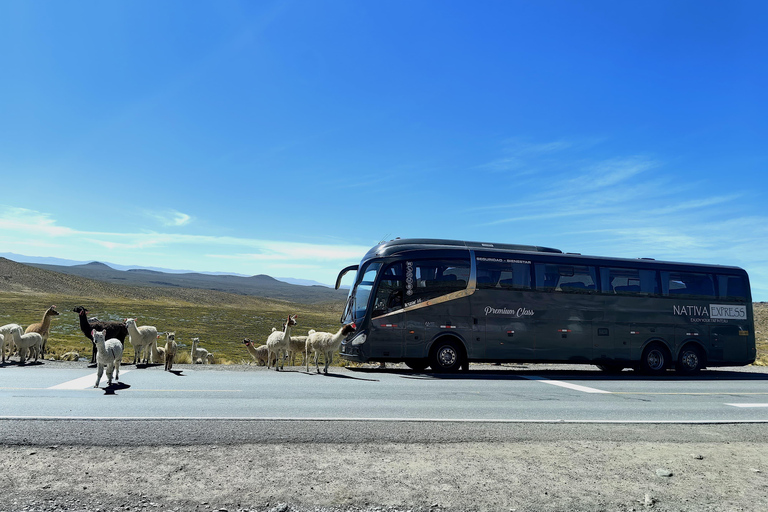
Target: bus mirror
[{"x": 342, "y": 273}]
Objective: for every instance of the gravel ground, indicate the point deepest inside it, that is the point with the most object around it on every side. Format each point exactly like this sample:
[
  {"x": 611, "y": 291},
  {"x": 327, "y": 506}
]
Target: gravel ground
[{"x": 545, "y": 467}]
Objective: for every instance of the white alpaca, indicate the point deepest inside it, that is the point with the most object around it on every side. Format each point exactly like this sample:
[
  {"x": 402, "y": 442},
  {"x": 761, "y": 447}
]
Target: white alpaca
[
  {"x": 7, "y": 338},
  {"x": 25, "y": 342},
  {"x": 297, "y": 346},
  {"x": 200, "y": 355},
  {"x": 109, "y": 353},
  {"x": 170, "y": 350},
  {"x": 157, "y": 354},
  {"x": 259, "y": 354},
  {"x": 279, "y": 343},
  {"x": 141, "y": 338},
  {"x": 325, "y": 343}
]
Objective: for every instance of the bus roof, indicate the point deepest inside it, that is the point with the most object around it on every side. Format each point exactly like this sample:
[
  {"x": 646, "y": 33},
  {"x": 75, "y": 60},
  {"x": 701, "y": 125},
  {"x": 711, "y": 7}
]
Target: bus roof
[{"x": 408, "y": 245}]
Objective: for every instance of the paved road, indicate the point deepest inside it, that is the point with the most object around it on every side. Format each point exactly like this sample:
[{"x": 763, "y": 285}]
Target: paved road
[{"x": 530, "y": 394}]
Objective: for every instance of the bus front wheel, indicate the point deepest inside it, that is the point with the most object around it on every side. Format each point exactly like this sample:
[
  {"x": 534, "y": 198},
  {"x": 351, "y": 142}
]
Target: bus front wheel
[
  {"x": 690, "y": 360},
  {"x": 446, "y": 356},
  {"x": 655, "y": 359}
]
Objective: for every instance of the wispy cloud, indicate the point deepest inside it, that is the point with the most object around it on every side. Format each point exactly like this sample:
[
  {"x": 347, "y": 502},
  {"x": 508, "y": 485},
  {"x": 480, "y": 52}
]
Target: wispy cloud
[{"x": 170, "y": 218}]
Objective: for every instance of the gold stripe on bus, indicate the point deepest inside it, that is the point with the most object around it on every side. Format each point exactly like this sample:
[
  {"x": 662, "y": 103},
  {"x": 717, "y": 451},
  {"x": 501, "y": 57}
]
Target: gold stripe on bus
[{"x": 432, "y": 302}]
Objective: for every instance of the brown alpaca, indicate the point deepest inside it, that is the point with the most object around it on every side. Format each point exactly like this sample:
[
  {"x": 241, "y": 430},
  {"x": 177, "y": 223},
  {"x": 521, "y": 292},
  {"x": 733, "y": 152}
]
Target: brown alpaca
[{"x": 43, "y": 329}]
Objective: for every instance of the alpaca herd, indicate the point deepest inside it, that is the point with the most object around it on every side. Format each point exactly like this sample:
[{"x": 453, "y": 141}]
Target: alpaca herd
[
  {"x": 108, "y": 343},
  {"x": 31, "y": 344}
]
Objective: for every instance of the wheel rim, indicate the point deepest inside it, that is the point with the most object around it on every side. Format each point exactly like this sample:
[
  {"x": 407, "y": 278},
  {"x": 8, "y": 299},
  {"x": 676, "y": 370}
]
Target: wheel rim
[
  {"x": 447, "y": 356},
  {"x": 690, "y": 360},
  {"x": 655, "y": 360}
]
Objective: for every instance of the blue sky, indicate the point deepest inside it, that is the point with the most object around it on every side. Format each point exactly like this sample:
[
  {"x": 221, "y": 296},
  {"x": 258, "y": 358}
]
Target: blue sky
[{"x": 288, "y": 137}]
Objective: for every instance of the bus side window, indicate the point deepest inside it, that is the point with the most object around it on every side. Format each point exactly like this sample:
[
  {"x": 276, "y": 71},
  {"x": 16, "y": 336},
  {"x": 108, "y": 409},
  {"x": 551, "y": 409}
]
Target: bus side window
[
  {"x": 732, "y": 288},
  {"x": 433, "y": 278},
  {"x": 688, "y": 284},
  {"x": 566, "y": 278},
  {"x": 629, "y": 281}
]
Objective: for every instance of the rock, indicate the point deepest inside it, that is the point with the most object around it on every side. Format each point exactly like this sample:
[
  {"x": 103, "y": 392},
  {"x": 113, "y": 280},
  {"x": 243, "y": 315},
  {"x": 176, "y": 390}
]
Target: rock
[{"x": 663, "y": 473}]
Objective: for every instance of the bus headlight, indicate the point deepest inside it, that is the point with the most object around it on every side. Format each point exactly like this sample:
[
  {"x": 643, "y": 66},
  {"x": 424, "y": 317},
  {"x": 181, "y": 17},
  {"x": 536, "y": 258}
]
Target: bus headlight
[{"x": 359, "y": 339}]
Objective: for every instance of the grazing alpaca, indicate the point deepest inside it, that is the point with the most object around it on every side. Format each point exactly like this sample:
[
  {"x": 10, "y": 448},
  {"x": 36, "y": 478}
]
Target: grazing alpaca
[
  {"x": 43, "y": 328},
  {"x": 259, "y": 354},
  {"x": 326, "y": 343},
  {"x": 7, "y": 339},
  {"x": 109, "y": 354},
  {"x": 114, "y": 329},
  {"x": 200, "y": 355},
  {"x": 170, "y": 350},
  {"x": 25, "y": 342},
  {"x": 279, "y": 342},
  {"x": 141, "y": 338}
]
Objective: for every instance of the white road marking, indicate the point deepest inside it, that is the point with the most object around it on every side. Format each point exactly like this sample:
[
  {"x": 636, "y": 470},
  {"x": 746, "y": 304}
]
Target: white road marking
[
  {"x": 568, "y": 385},
  {"x": 84, "y": 382},
  {"x": 748, "y": 405},
  {"x": 377, "y": 420}
]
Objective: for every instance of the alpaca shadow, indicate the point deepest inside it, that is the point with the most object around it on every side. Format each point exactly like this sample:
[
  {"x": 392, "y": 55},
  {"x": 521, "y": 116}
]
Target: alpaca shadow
[
  {"x": 147, "y": 365},
  {"x": 338, "y": 376},
  {"x": 177, "y": 373},
  {"x": 115, "y": 386}
]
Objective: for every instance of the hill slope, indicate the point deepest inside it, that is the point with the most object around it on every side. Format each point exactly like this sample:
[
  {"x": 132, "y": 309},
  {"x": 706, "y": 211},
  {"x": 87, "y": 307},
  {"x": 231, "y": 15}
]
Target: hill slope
[
  {"x": 29, "y": 279},
  {"x": 256, "y": 286}
]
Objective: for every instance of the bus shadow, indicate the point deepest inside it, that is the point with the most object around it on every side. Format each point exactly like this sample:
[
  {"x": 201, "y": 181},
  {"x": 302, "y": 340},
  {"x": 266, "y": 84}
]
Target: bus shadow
[{"x": 560, "y": 374}]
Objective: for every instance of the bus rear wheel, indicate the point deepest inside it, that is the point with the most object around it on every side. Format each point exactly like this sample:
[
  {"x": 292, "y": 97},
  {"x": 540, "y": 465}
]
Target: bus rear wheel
[
  {"x": 690, "y": 360},
  {"x": 446, "y": 356},
  {"x": 655, "y": 359}
]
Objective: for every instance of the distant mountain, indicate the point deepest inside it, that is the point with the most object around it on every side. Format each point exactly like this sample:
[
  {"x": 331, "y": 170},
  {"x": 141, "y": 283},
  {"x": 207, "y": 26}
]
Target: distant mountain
[
  {"x": 257, "y": 286},
  {"x": 21, "y": 258}
]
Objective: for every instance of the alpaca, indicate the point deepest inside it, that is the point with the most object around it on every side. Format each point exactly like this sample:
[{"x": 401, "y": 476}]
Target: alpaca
[
  {"x": 279, "y": 342},
  {"x": 141, "y": 338},
  {"x": 114, "y": 329},
  {"x": 200, "y": 355},
  {"x": 297, "y": 346},
  {"x": 70, "y": 356},
  {"x": 25, "y": 342},
  {"x": 326, "y": 343},
  {"x": 157, "y": 354},
  {"x": 109, "y": 354},
  {"x": 7, "y": 339},
  {"x": 43, "y": 328},
  {"x": 259, "y": 354},
  {"x": 170, "y": 350}
]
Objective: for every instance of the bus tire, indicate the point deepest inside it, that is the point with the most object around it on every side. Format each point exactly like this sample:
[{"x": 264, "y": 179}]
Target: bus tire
[
  {"x": 655, "y": 360},
  {"x": 418, "y": 365},
  {"x": 446, "y": 356},
  {"x": 690, "y": 360}
]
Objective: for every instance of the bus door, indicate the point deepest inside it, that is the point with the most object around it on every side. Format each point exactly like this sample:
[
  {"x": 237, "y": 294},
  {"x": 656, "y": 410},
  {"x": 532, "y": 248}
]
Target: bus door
[
  {"x": 388, "y": 316},
  {"x": 729, "y": 343}
]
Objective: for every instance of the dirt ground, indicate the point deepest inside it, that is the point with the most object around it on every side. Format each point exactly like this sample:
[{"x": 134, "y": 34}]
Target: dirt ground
[{"x": 525, "y": 476}]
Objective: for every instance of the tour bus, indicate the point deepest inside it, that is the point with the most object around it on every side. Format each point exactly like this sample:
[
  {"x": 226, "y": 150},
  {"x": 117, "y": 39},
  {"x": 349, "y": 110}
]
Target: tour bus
[{"x": 446, "y": 303}]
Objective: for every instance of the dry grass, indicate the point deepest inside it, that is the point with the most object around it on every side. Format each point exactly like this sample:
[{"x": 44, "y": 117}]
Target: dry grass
[
  {"x": 220, "y": 327},
  {"x": 761, "y": 332}
]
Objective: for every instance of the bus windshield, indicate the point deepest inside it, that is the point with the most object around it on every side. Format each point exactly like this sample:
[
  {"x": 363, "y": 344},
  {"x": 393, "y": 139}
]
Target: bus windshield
[{"x": 357, "y": 303}]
